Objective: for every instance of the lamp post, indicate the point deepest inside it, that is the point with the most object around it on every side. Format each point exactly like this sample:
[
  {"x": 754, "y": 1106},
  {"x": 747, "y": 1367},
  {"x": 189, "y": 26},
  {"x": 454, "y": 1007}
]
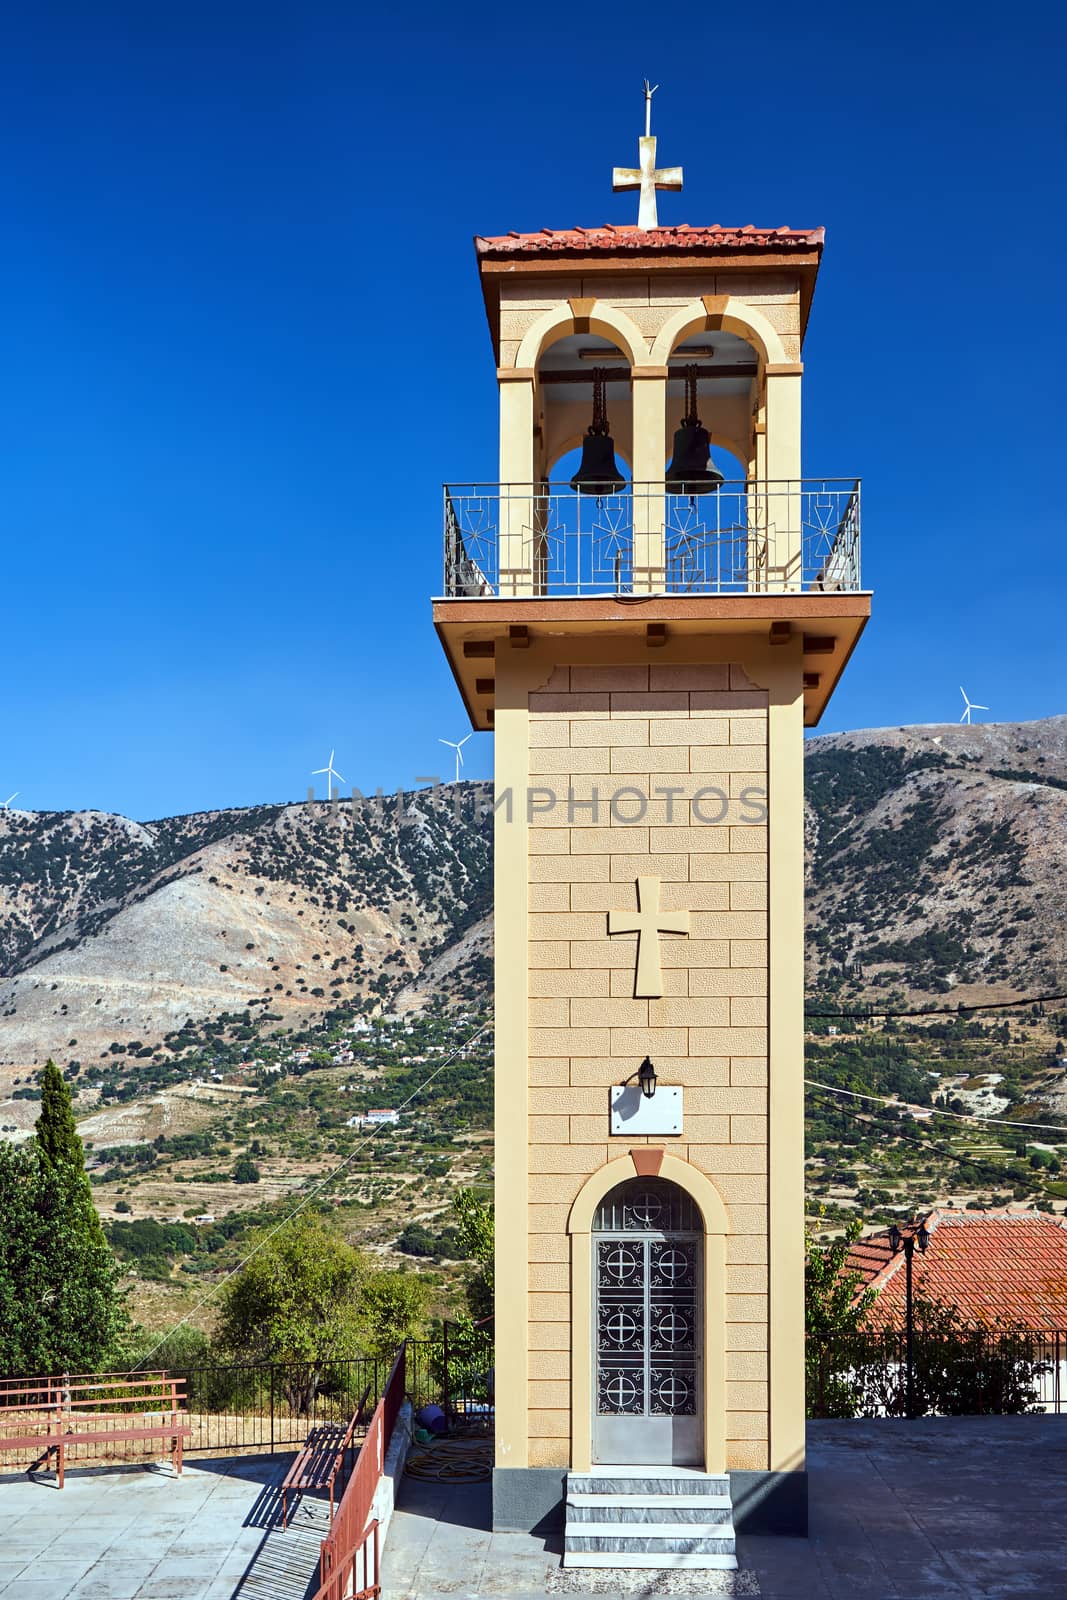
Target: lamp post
[{"x": 907, "y": 1239}]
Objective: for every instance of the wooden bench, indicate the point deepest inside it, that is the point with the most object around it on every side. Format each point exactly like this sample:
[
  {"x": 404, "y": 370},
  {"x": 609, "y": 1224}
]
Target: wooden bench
[
  {"x": 320, "y": 1459},
  {"x": 54, "y": 1415}
]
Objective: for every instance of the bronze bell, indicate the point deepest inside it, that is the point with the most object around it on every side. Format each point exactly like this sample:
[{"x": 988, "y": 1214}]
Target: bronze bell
[
  {"x": 597, "y": 472},
  {"x": 691, "y": 470}
]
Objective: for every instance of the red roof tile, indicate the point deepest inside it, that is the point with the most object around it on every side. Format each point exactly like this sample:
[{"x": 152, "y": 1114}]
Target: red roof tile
[
  {"x": 995, "y": 1266},
  {"x": 613, "y": 239}
]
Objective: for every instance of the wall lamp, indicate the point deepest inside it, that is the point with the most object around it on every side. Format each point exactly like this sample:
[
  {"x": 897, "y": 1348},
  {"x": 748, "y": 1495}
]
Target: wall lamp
[{"x": 646, "y": 1077}]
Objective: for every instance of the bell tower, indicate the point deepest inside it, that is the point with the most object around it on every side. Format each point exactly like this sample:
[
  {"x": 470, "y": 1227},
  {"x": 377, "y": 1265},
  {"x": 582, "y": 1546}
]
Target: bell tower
[{"x": 648, "y": 640}]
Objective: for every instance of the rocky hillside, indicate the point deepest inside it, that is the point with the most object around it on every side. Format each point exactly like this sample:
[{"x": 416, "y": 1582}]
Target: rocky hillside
[
  {"x": 114, "y": 931},
  {"x": 936, "y": 863}
]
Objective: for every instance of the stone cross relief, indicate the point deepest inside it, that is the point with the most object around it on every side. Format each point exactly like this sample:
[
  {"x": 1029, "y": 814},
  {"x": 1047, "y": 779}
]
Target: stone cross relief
[{"x": 648, "y": 922}]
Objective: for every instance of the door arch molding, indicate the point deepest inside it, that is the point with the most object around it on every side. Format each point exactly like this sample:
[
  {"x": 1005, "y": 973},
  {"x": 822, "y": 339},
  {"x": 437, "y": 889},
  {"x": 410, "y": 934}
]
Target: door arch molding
[{"x": 712, "y": 1209}]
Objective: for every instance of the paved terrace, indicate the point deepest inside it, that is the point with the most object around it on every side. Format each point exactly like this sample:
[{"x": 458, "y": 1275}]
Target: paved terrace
[
  {"x": 941, "y": 1509},
  {"x": 938, "y": 1509},
  {"x": 131, "y": 1533}
]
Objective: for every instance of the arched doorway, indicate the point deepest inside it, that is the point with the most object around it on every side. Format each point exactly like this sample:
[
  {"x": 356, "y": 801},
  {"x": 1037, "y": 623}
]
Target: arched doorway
[{"x": 647, "y": 1346}]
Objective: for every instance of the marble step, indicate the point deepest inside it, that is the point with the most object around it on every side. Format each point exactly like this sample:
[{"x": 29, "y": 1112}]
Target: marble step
[
  {"x": 650, "y": 1535},
  {"x": 641, "y": 1560},
  {"x": 642, "y": 1470},
  {"x": 649, "y": 1517},
  {"x": 683, "y": 1509},
  {"x": 647, "y": 1481}
]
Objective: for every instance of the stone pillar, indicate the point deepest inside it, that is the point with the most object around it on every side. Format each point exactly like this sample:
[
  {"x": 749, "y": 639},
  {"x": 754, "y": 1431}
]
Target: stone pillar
[
  {"x": 517, "y": 476},
  {"x": 510, "y": 1077},
  {"x": 784, "y": 502},
  {"x": 785, "y": 784},
  {"x": 649, "y": 445}
]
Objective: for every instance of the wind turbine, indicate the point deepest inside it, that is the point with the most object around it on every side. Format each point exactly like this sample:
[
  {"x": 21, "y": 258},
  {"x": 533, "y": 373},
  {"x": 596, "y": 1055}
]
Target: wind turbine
[
  {"x": 458, "y": 748},
  {"x": 7, "y": 803},
  {"x": 331, "y": 774},
  {"x": 968, "y": 707}
]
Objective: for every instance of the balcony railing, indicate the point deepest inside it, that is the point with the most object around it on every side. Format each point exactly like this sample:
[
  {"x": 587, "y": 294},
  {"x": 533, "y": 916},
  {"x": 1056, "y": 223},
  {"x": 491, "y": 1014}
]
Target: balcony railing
[{"x": 801, "y": 536}]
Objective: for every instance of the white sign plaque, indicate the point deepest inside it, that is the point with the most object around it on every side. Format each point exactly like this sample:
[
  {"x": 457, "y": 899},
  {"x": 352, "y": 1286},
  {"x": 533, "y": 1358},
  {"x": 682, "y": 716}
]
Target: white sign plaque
[{"x": 633, "y": 1112}]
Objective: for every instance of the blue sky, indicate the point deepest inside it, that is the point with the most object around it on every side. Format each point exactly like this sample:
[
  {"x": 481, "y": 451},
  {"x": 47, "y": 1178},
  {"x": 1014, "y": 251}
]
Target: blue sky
[{"x": 221, "y": 503}]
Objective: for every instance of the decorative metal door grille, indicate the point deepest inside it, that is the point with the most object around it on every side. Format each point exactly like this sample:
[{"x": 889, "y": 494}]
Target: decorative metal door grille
[{"x": 646, "y": 1287}]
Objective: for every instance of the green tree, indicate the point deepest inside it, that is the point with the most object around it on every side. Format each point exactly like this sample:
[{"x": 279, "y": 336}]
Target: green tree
[
  {"x": 835, "y": 1308},
  {"x": 245, "y": 1170},
  {"x": 296, "y": 1302},
  {"x": 179, "y": 1351},
  {"x": 962, "y": 1370},
  {"x": 392, "y": 1307},
  {"x": 23, "y": 1287},
  {"x": 417, "y": 1240},
  {"x": 475, "y": 1232},
  {"x": 57, "y": 1135},
  {"x": 959, "y": 1370},
  {"x": 833, "y": 1301},
  {"x": 60, "y": 1305}
]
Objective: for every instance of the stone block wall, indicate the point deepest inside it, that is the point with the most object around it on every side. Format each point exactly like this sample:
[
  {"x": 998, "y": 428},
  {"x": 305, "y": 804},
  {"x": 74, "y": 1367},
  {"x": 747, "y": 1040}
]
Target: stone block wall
[
  {"x": 596, "y": 731},
  {"x": 648, "y": 301}
]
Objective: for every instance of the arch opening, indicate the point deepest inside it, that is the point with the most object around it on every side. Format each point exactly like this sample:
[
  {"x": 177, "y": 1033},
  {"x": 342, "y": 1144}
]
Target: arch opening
[
  {"x": 727, "y": 387},
  {"x": 730, "y": 316},
  {"x": 565, "y": 376},
  {"x": 648, "y": 1272},
  {"x": 695, "y": 1201},
  {"x": 597, "y": 319}
]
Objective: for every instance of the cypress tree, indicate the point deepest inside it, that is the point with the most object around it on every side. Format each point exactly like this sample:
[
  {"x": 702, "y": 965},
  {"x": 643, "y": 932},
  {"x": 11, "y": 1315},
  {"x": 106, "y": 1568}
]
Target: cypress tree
[
  {"x": 57, "y": 1135},
  {"x": 59, "y": 1282}
]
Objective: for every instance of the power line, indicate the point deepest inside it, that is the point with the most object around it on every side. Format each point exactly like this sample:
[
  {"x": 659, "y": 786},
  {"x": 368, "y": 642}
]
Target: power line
[
  {"x": 940, "y": 1149},
  {"x": 958, "y": 1010},
  {"x": 318, "y": 1188},
  {"x": 937, "y": 1111}
]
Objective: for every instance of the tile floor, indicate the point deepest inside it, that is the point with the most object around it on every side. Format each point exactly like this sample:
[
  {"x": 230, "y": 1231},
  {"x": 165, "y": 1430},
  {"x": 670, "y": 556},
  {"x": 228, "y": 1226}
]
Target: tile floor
[
  {"x": 966, "y": 1508},
  {"x": 142, "y": 1534},
  {"x": 941, "y": 1509}
]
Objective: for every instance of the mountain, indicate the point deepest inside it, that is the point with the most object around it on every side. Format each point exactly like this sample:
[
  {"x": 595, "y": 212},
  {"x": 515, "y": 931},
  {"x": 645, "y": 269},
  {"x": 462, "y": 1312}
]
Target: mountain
[
  {"x": 114, "y": 932},
  {"x": 936, "y": 861},
  {"x": 936, "y": 864}
]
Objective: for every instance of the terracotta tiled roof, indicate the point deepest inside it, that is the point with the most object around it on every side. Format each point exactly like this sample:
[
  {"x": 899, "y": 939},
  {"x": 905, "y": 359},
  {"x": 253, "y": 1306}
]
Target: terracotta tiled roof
[
  {"x": 611, "y": 239},
  {"x": 869, "y": 1256},
  {"x": 995, "y": 1266}
]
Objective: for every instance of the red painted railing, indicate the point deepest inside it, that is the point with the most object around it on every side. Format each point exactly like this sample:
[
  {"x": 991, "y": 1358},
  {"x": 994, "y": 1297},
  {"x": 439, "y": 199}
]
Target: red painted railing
[{"x": 348, "y": 1563}]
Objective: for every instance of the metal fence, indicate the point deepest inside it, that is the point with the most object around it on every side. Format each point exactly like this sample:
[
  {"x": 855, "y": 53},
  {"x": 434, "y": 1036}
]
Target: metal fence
[
  {"x": 967, "y": 1372},
  {"x": 271, "y": 1406},
  {"x": 747, "y": 538}
]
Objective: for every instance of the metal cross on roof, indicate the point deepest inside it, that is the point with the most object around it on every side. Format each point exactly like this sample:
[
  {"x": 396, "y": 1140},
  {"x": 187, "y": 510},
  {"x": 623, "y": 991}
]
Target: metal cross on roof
[{"x": 647, "y": 177}]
